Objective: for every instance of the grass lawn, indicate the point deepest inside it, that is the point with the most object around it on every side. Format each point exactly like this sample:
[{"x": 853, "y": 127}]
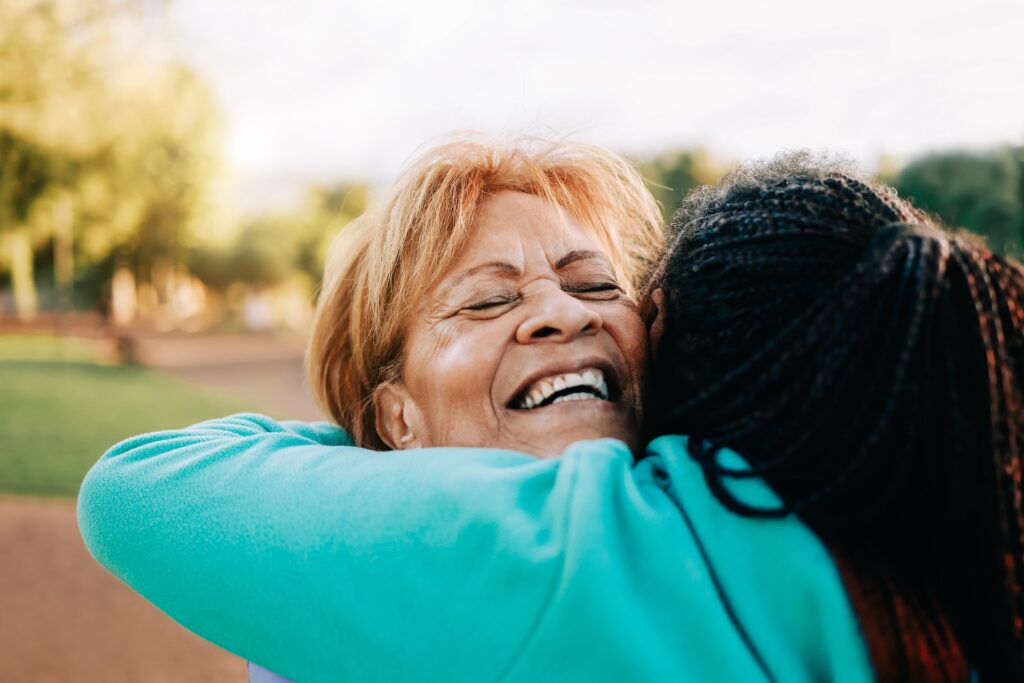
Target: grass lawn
[{"x": 58, "y": 416}]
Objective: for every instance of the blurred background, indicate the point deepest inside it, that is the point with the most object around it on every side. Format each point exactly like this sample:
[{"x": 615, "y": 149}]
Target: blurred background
[{"x": 173, "y": 171}]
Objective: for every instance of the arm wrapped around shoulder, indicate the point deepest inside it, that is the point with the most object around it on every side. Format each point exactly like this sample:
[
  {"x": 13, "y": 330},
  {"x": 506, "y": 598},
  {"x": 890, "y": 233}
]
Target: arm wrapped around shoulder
[
  {"x": 286, "y": 545},
  {"x": 323, "y": 562}
]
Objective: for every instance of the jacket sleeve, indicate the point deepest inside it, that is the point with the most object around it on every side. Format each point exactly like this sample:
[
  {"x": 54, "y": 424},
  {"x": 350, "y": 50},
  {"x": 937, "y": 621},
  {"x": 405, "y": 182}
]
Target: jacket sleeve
[{"x": 283, "y": 543}]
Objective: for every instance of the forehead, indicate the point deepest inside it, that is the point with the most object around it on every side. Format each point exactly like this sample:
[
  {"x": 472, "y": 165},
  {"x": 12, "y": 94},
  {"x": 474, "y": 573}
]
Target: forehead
[{"x": 519, "y": 228}]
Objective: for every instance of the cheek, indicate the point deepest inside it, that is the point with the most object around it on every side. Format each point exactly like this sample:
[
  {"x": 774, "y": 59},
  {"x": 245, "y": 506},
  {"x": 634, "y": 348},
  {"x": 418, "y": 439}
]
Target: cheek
[
  {"x": 458, "y": 369},
  {"x": 631, "y": 336}
]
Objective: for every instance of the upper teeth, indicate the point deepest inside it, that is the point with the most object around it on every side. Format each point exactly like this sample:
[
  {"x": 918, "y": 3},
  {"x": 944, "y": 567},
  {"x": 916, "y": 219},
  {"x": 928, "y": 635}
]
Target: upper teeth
[{"x": 590, "y": 381}]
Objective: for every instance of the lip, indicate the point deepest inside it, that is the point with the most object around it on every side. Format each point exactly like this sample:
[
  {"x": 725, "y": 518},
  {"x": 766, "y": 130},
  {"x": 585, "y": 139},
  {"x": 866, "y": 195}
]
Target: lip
[{"x": 611, "y": 376}]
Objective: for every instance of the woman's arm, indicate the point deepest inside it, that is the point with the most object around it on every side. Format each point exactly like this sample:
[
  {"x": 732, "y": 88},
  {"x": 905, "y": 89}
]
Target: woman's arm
[
  {"x": 284, "y": 544},
  {"x": 321, "y": 561}
]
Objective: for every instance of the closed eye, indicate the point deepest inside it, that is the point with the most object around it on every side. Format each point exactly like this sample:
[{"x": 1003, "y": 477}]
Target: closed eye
[
  {"x": 592, "y": 287},
  {"x": 489, "y": 303}
]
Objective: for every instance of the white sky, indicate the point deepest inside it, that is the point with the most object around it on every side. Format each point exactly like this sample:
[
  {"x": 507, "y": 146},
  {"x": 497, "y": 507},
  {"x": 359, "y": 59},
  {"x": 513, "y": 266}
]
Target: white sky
[{"x": 322, "y": 90}]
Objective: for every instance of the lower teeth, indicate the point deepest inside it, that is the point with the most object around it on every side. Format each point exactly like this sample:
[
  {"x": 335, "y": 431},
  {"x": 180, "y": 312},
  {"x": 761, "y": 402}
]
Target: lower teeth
[
  {"x": 578, "y": 396},
  {"x": 572, "y": 397}
]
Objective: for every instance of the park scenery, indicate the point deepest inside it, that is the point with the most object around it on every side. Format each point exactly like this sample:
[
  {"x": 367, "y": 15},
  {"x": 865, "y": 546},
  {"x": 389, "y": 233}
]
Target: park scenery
[{"x": 136, "y": 294}]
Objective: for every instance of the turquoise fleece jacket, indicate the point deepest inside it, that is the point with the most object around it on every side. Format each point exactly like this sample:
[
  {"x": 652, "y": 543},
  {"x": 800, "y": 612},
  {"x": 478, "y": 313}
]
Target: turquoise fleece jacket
[{"x": 283, "y": 543}]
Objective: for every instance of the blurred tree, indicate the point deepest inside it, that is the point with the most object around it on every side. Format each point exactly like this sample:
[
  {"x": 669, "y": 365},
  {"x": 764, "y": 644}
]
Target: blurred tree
[
  {"x": 35, "y": 59},
  {"x": 24, "y": 173},
  {"x": 982, "y": 191},
  {"x": 151, "y": 193},
  {"x": 671, "y": 176},
  {"x": 265, "y": 252},
  {"x": 326, "y": 211},
  {"x": 127, "y": 141},
  {"x": 272, "y": 248}
]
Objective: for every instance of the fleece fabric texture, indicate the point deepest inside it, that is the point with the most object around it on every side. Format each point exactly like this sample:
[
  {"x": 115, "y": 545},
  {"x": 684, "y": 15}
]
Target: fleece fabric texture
[{"x": 283, "y": 543}]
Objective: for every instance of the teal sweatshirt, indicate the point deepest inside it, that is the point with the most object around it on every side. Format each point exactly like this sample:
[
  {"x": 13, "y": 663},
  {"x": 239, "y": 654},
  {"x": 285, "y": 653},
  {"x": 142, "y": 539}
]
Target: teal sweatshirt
[{"x": 283, "y": 543}]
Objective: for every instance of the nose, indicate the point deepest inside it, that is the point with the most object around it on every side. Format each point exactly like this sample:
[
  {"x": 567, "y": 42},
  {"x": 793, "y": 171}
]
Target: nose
[{"x": 557, "y": 316}]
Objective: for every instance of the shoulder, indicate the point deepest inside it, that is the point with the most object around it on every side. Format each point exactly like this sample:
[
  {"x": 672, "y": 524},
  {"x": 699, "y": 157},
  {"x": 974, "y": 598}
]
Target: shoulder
[{"x": 774, "y": 575}]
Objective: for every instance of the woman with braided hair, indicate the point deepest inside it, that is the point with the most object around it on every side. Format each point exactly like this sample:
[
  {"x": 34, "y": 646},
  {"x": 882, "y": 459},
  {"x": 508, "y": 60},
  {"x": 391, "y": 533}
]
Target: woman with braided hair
[{"x": 868, "y": 365}]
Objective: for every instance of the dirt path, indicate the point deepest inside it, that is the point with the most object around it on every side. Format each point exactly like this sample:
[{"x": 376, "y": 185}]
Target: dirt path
[
  {"x": 264, "y": 369},
  {"x": 64, "y": 619}
]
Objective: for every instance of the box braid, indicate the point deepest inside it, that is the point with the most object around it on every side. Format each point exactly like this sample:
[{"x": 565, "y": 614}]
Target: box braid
[{"x": 869, "y": 365}]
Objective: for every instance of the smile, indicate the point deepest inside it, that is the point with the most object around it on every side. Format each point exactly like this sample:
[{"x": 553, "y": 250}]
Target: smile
[{"x": 586, "y": 384}]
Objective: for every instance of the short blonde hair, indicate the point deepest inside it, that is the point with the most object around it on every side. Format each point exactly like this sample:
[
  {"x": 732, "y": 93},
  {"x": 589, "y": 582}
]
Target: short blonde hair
[{"x": 386, "y": 260}]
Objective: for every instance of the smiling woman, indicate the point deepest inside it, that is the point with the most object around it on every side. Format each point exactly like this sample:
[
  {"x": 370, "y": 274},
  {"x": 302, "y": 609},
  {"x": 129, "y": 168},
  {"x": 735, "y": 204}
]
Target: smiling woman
[
  {"x": 491, "y": 273},
  {"x": 520, "y": 353}
]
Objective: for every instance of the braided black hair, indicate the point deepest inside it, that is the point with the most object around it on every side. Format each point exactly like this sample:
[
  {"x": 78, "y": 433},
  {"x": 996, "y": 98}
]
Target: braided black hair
[{"x": 868, "y": 364}]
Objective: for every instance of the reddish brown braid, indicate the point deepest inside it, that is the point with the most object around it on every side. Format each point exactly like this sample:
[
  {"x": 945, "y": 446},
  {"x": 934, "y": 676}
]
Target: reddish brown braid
[{"x": 870, "y": 366}]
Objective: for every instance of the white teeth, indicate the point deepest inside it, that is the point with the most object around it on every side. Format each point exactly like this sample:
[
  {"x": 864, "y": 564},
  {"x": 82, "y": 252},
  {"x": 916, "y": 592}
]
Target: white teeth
[
  {"x": 590, "y": 381},
  {"x": 581, "y": 396}
]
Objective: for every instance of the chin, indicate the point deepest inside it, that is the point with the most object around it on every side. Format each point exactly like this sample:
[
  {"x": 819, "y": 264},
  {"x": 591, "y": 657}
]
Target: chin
[
  {"x": 558, "y": 442},
  {"x": 546, "y": 432}
]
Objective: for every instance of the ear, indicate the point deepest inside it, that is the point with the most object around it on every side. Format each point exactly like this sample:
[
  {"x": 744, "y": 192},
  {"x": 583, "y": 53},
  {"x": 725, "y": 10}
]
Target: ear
[
  {"x": 656, "y": 326},
  {"x": 396, "y": 415}
]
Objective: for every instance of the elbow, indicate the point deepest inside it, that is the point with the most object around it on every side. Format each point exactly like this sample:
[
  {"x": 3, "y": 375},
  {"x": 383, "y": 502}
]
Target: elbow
[
  {"x": 101, "y": 513},
  {"x": 109, "y": 504}
]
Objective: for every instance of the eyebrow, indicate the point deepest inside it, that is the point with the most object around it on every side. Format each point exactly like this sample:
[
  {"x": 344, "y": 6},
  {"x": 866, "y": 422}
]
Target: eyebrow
[
  {"x": 508, "y": 270},
  {"x": 578, "y": 255}
]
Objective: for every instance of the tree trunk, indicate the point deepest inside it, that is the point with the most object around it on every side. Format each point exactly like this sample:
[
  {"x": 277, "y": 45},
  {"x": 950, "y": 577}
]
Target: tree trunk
[
  {"x": 19, "y": 250},
  {"x": 63, "y": 259}
]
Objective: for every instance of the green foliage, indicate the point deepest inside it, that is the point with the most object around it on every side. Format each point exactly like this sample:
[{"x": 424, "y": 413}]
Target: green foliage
[
  {"x": 271, "y": 248},
  {"x": 672, "y": 176},
  {"x": 25, "y": 170},
  {"x": 982, "y": 191},
  {"x": 162, "y": 173},
  {"x": 58, "y": 417},
  {"x": 118, "y": 141},
  {"x": 327, "y": 210},
  {"x": 265, "y": 252}
]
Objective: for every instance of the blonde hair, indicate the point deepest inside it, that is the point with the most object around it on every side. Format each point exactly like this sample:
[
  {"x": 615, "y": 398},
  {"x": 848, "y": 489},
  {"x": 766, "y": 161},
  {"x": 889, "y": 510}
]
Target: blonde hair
[{"x": 387, "y": 259}]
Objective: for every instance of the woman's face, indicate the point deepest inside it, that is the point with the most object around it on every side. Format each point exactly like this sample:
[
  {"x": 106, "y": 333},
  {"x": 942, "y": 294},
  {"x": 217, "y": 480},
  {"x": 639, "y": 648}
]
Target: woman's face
[{"x": 527, "y": 343}]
